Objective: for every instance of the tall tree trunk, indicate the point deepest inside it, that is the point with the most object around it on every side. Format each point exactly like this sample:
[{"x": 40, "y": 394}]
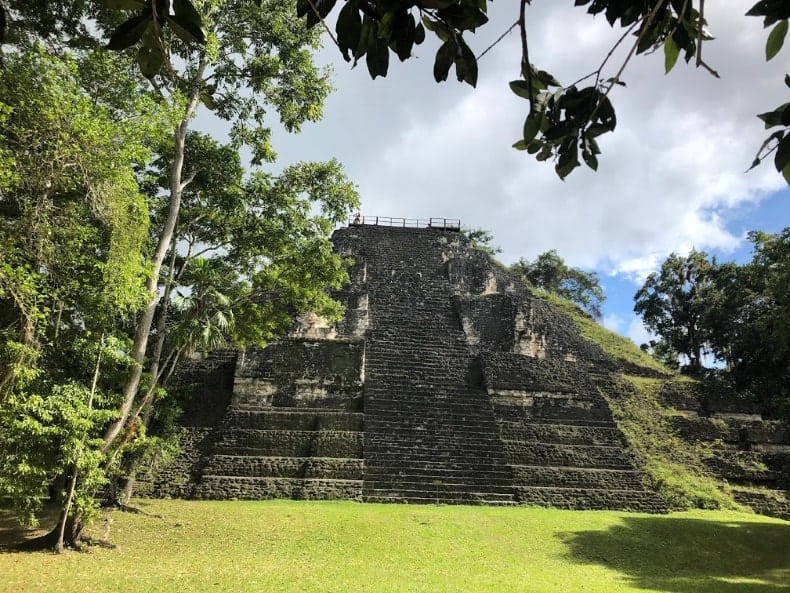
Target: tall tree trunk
[
  {"x": 156, "y": 360},
  {"x": 143, "y": 329},
  {"x": 63, "y": 522}
]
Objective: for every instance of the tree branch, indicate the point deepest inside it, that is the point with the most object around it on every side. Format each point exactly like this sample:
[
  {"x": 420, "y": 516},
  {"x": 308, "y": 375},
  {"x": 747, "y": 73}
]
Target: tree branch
[
  {"x": 189, "y": 178},
  {"x": 646, "y": 24},
  {"x": 323, "y": 22},
  {"x": 597, "y": 73},
  {"x": 526, "y": 67},
  {"x": 500, "y": 38}
]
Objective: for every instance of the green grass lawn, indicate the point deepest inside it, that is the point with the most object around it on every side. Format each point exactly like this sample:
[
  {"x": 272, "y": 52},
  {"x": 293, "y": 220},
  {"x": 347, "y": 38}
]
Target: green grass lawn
[{"x": 285, "y": 546}]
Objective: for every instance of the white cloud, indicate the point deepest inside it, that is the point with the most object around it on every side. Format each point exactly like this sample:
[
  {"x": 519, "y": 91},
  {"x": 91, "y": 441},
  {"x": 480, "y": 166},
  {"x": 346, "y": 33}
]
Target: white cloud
[
  {"x": 614, "y": 322},
  {"x": 638, "y": 332},
  {"x": 670, "y": 175}
]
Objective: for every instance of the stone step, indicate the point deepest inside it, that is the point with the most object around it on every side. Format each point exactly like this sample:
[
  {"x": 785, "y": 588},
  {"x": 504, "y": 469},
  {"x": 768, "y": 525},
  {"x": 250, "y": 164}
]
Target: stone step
[
  {"x": 284, "y": 467},
  {"x": 433, "y": 406},
  {"x": 591, "y": 499},
  {"x": 436, "y": 413},
  {"x": 574, "y": 477},
  {"x": 433, "y": 497},
  {"x": 552, "y": 455},
  {"x": 217, "y": 487},
  {"x": 775, "y": 504},
  {"x": 561, "y": 412},
  {"x": 521, "y": 418},
  {"x": 417, "y": 483},
  {"x": 470, "y": 461},
  {"x": 567, "y": 434},
  {"x": 414, "y": 359},
  {"x": 399, "y": 499},
  {"x": 741, "y": 466},
  {"x": 303, "y": 419},
  {"x": 427, "y": 473},
  {"x": 436, "y": 425},
  {"x": 294, "y": 443},
  {"x": 431, "y": 448}
]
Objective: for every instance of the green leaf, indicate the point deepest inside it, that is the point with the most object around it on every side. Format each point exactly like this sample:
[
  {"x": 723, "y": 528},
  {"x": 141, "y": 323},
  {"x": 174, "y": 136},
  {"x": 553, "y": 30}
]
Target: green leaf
[
  {"x": 302, "y": 8},
  {"x": 305, "y": 8},
  {"x": 774, "y": 118},
  {"x": 520, "y": 145},
  {"x": 565, "y": 169},
  {"x": 378, "y": 54},
  {"x": 568, "y": 157},
  {"x": 786, "y": 174},
  {"x": 782, "y": 156},
  {"x": 671, "y": 53},
  {"x": 444, "y": 59},
  {"x": 386, "y": 25},
  {"x": 419, "y": 34},
  {"x": 129, "y": 32},
  {"x": 186, "y": 22},
  {"x": 606, "y": 115},
  {"x": 521, "y": 88},
  {"x": 532, "y": 126},
  {"x": 348, "y": 28},
  {"x": 150, "y": 60},
  {"x": 557, "y": 132},
  {"x": 772, "y": 10},
  {"x": 463, "y": 17},
  {"x": 776, "y": 39},
  {"x": 545, "y": 78},
  {"x": 404, "y": 37},
  {"x": 590, "y": 159},
  {"x": 208, "y": 101},
  {"x": 466, "y": 64},
  {"x": 442, "y": 31},
  {"x": 545, "y": 153},
  {"x": 758, "y": 9}
]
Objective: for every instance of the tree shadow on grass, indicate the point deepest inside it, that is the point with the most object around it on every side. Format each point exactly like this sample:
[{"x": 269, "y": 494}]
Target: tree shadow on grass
[
  {"x": 13, "y": 535},
  {"x": 682, "y": 555}
]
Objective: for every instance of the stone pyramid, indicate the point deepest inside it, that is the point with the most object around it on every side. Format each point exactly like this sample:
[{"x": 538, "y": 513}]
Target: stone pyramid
[{"x": 447, "y": 381}]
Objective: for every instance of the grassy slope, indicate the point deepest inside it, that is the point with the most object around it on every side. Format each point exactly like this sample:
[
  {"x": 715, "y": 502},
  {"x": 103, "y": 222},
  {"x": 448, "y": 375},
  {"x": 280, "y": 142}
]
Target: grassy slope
[
  {"x": 674, "y": 467},
  {"x": 286, "y": 546},
  {"x": 613, "y": 344}
]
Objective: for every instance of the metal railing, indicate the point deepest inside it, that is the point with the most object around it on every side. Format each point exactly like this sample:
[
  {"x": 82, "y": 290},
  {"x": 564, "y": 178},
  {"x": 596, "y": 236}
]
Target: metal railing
[{"x": 450, "y": 224}]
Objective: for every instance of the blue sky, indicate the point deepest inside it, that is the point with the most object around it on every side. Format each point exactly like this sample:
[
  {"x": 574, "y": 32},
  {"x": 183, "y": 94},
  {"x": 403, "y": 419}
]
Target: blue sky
[
  {"x": 771, "y": 214},
  {"x": 671, "y": 177}
]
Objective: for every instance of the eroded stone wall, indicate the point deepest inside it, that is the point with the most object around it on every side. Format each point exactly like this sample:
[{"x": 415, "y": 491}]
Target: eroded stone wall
[{"x": 301, "y": 373}]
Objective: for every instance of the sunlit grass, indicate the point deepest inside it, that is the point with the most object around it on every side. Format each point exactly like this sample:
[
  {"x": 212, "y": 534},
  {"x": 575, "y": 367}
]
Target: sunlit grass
[{"x": 286, "y": 546}]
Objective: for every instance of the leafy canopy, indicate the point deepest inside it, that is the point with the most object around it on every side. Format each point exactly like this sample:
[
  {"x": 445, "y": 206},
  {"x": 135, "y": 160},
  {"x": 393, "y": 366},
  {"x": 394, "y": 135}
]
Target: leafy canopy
[
  {"x": 738, "y": 314},
  {"x": 549, "y": 272}
]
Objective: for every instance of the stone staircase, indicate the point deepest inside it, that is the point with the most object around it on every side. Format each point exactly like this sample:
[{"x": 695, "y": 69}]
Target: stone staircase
[
  {"x": 562, "y": 444},
  {"x": 293, "y": 428},
  {"x": 572, "y": 464},
  {"x": 303, "y": 453},
  {"x": 430, "y": 432}
]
